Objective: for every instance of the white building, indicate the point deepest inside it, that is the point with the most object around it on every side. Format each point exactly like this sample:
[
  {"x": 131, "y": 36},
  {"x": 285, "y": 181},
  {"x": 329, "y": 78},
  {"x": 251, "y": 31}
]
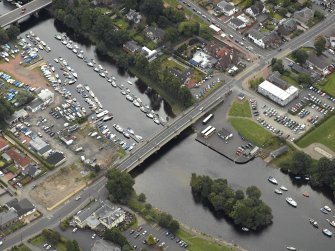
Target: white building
[
  {"x": 276, "y": 94},
  {"x": 226, "y": 8},
  {"x": 203, "y": 60},
  {"x": 44, "y": 98}
]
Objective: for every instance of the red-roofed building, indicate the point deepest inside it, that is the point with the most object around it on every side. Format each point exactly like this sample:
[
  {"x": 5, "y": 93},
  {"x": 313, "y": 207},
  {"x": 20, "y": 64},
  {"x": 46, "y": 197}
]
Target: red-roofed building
[
  {"x": 3, "y": 144},
  {"x": 20, "y": 160}
]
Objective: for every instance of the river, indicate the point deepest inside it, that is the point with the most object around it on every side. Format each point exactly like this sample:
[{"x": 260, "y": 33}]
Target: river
[{"x": 165, "y": 177}]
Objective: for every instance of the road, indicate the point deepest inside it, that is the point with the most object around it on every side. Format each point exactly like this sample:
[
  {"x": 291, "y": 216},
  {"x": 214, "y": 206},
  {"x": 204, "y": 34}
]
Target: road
[
  {"x": 96, "y": 188},
  {"x": 16, "y": 14}
]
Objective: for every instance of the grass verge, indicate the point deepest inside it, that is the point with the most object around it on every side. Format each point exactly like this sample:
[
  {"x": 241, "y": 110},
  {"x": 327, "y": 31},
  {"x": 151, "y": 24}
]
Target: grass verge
[
  {"x": 328, "y": 85},
  {"x": 240, "y": 109},
  {"x": 323, "y": 134}
]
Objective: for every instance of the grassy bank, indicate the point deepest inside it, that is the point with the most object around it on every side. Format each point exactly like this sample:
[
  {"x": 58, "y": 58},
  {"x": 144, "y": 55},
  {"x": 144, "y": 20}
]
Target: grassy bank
[
  {"x": 197, "y": 243},
  {"x": 254, "y": 133},
  {"x": 324, "y": 134},
  {"x": 328, "y": 85},
  {"x": 240, "y": 109}
]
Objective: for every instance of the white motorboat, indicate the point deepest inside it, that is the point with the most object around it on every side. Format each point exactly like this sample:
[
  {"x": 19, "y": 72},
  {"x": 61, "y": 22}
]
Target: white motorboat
[
  {"x": 136, "y": 103},
  {"x": 327, "y": 208},
  {"x": 291, "y": 248},
  {"x": 277, "y": 191},
  {"x": 130, "y": 98},
  {"x": 90, "y": 64},
  {"x": 314, "y": 223},
  {"x": 123, "y": 92},
  {"x": 272, "y": 180},
  {"x": 81, "y": 56},
  {"x": 113, "y": 84},
  {"x": 150, "y": 115},
  {"x": 96, "y": 69},
  {"x": 64, "y": 42},
  {"x": 156, "y": 120},
  {"x": 126, "y": 134},
  {"x": 56, "y": 60},
  {"x": 327, "y": 232},
  {"x": 291, "y": 202},
  {"x": 58, "y": 36},
  {"x": 108, "y": 117},
  {"x": 75, "y": 51},
  {"x": 332, "y": 223},
  {"x": 323, "y": 210},
  {"x": 283, "y": 188},
  {"x": 131, "y": 131},
  {"x": 245, "y": 229},
  {"x": 102, "y": 74}
]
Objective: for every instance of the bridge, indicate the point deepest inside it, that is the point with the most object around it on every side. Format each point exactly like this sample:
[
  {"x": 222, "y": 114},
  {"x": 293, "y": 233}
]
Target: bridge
[
  {"x": 171, "y": 130},
  {"x": 17, "y": 14}
]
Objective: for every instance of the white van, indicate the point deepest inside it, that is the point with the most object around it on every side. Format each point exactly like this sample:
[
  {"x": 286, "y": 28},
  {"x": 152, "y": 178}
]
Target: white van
[{"x": 331, "y": 51}]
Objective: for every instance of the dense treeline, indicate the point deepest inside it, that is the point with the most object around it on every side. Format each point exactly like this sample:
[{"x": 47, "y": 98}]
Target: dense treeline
[
  {"x": 321, "y": 172},
  {"x": 90, "y": 22},
  {"x": 247, "y": 211}
]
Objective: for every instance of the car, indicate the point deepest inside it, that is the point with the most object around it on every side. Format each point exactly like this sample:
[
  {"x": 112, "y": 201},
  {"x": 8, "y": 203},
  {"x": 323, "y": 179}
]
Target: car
[
  {"x": 201, "y": 108},
  {"x": 132, "y": 231},
  {"x": 48, "y": 247},
  {"x": 93, "y": 236},
  {"x": 74, "y": 230},
  {"x": 45, "y": 245},
  {"x": 144, "y": 232},
  {"x": 167, "y": 233},
  {"x": 139, "y": 229},
  {"x": 78, "y": 198}
]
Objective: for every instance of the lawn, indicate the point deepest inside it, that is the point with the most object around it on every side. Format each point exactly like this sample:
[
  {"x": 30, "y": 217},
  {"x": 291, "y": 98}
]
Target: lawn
[
  {"x": 277, "y": 17},
  {"x": 39, "y": 240},
  {"x": 170, "y": 63},
  {"x": 287, "y": 76},
  {"x": 2, "y": 163},
  {"x": 240, "y": 109},
  {"x": 12, "y": 169},
  {"x": 329, "y": 85},
  {"x": 121, "y": 24},
  {"x": 199, "y": 244},
  {"x": 324, "y": 134},
  {"x": 253, "y": 132}
]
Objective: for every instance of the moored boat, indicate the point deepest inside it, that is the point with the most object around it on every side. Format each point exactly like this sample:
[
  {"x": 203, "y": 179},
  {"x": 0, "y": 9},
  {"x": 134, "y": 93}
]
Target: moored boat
[
  {"x": 314, "y": 223},
  {"x": 291, "y": 248},
  {"x": 332, "y": 223},
  {"x": 327, "y": 208},
  {"x": 245, "y": 229},
  {"x": 305, "y": 194},
  {"x": 277, "y": 191},
  {"x": 327, "y": 232},
  {"x": 323, "y": 210},
  {"x": 272, "y": 180},
  {"x": 283, "y": 188},
  {"x": 290, "y": 201}
]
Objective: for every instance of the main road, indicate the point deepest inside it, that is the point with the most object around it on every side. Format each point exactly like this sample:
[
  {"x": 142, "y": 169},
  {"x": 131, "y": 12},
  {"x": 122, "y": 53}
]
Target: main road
[
  {"x": 71, "y": 206},
  {"x": 17, "y": 14}
]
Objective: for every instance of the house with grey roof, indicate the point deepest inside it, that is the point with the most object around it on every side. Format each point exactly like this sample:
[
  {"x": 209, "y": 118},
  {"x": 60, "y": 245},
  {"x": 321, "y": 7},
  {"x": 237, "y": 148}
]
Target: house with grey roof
[
  {"x": 237, "y": 23},
  {"x": 56, "y": 158},
  {"x": 8, "y": 218},
  {"x": 263, "y": 40},
  {"x": 278, "y": 152},
  {"x": 287, "y": 26},
  {"x": 304, "y": 15},
  {"x": 100, "y": 213},
  {"x": 31, "y": 171},
  {"x": 131, "y": 47},
  {"x": 226, "y": 8},
  {"x": 275, "y": 78},
  {"x": 255, "y": 10},
  {"x": 321, "y": 62},
  {"x": 40, "y": 146},
  {"x": 134, "y": 16},
  {"x": 23, "y": 207},
  {"x": 154, "y": 33}
]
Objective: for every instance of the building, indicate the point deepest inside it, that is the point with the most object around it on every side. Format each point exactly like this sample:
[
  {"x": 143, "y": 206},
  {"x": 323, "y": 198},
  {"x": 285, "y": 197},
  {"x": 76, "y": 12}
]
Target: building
[
  {"x": 287, "y": 26},
  {"x": 276, "y": 79},
  {"x": 20, "y": 160},
  {"x": 56, "y": 158},
  {"x": 321, "y": 62},
  {"x": 22, "y": 208},
  {"x": 304, "y": 15},
  {"x": 3, "y": 144},
  {"x": 154, "y": 33},
  {"x": 100, "y": 213},
  {"x": 40, "y": 146},
  {"x": 149, "y": 53},
  {"x": 17, "y": 115},
  {"x": 229, "y": 59},
  {"x": 134, "y": 16},
  {"x": 263, "y": 40},
  {"x": 276, "y": 94},
  {"x": 183, "y": 76},
  {"x": 226, "y": 8},
  {"x": 44, "y": 98},
  {"x": 31, "y": 171},
  {"x": 332, "y": 41},
  {"x": 237, "y": 23},
  {"x": 8, "y": 218},
  {"x": 255, "y": 10},
  {"x": 203, "y": 60},
  {"x": 131, "y": 47},
  {"x": 278, "y": 152}
]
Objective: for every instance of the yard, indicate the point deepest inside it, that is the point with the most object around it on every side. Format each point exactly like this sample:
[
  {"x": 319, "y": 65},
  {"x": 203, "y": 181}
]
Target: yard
[
  {"x": 39, "y": 240},
  {"x": 324, "y": 134},
  {"x": 171, "y": 63},
  {"x": 121, "y": 24},
  {"x": 253, "y": 132},
  {"x": 240, "y": 109},
  {"x": 328, "y": 85},
  {"x": 289, "y": 78},
  {"x": 197, "y": 243}
]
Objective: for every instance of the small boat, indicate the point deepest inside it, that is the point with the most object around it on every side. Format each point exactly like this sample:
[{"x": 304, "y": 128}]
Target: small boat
[
  {"x": 290, "y": 201},
  {"x": 136, "y": 103},
  {"x": 102, "y": 74},
  {"x": 90, "y": 64},
  {"x": 297, "y": 177},
  {"x": 327, "y": 232},
  {"x": 327, "y": 208},
  {"x": 96, "y": 69},
  {"x": 332, "y": 223},
  {"x": 113, "y": 84},
  {"x": 74, "y": 51},
  {"x": 126, "y": 134},
  {"x": 129, "y": 82},
  {"x": 58, "y": 37},
  {"x": 123, "y": 92},
  {"x": 305, "y": 194},
  {"x": 323, "y": 210},
  {"x": 245, "y": 229},
  {"x": 56, "y": 60},
  {"x": 307, "y": 178},
  {"x": 81, "y": 56},
  {"x": 108, "y": 117},
  {"x": 291, "y": 248},
  {"x": 314, "y": 223},
  {"x": 149, "y": 115},
  {"x": 130, "y": 98},
  {"x": 131, "y": 131},
  {"x": 277, "y": 191},
  {"x": 283, "y": 188},
  {"x": 272, "y": 180},
  {"x": 156, "y": 120}
]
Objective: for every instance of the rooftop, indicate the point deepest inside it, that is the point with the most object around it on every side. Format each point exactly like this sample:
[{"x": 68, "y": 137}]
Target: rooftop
[
  {"x": 21, "y": 207},
  {"x": 55, "y": 158},
  {"x": 19, "y": 158},
  {"x": 38, "y": 143},
  {"x": 8, "y": 216},
  {"x": 3, "y": 143},
  {"x": 225, "y": 6},
  {"x": 276, "y": 91},
  {"x": 321, "y": 62}
]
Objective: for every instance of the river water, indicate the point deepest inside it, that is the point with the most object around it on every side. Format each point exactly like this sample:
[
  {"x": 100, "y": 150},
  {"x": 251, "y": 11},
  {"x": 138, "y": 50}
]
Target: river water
[{"x": 165, "y": 177}]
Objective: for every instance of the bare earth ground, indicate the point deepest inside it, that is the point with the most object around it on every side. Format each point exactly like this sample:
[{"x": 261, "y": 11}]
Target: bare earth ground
[
  {"x": 59, "y": 185},
  {"x": 92, "y": 147},
  {"x": 25, "y": 74}
]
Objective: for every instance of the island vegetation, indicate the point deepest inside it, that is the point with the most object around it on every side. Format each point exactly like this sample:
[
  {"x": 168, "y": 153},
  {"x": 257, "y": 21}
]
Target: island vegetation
[
  {"x": 246, "y": 210},
  {"x": 97, "y": 25}
]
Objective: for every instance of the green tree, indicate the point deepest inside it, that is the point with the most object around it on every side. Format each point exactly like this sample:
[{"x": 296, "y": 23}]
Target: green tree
[
  {"x": 188, "y": 28},
  {"x": 142, "y": 197},
  {"x": 300, "y": 163},
  {"x": 150, "y": 240},
  {"x": 277, "y": 65},
  {"x": 53, "y": 237},
  {"x": 254, "y": 192},
  {"x": 304, "y": 79},
  {"x": 13, "y": 31},
  {"x": 24, "y": 98},
  {"x": 164, "y": 220},
  {"x": 174, "y": 226},
  {"x": 114, "y": 235},
  {"x": 205, "y": 32},
  {"x": 119, "y": 185},
  {"x": 3, "y": 36},
  {"x": 320, "y": 44},
  {"x": 152, "y": 9},
  {"x": 300, "y": 56}
]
